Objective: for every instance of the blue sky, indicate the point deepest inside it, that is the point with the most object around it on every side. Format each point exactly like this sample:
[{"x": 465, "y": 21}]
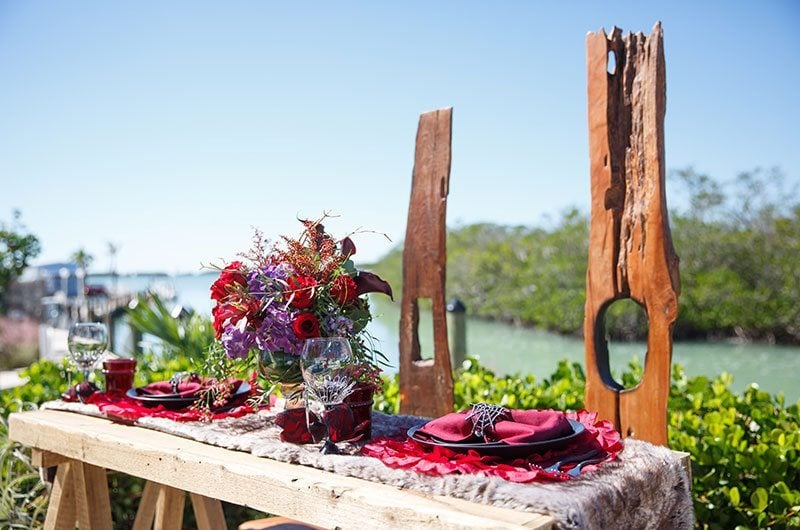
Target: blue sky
[{"x": 171, "y": 128}]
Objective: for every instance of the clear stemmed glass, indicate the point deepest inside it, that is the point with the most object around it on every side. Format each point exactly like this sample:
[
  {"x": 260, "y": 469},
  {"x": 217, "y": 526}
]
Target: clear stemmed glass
[
  {"x": 325, "y": 364},
  {"x": 86, "y": 343}
]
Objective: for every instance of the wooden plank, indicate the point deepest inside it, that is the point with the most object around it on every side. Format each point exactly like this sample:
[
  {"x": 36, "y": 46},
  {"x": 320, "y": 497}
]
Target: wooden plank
[
  {"x": 207, "y": 512},
  {"x": 46, "y": 459},
  {"x": 302, "y": 493},
  {"x": 91, "y": 494},
  {"x": 61, "y": 513},
  {"x": 169, "y": 508},
  {"x": 426, "y": 386},
  {"x": 686, "y": 461},
  {"x": 146, "y": 513},
  {"x": 630, "y": 246}
]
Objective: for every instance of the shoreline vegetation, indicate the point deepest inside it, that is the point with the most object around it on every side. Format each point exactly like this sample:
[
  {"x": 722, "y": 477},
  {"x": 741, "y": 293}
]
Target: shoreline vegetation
[{"x": 738, "y": 244}]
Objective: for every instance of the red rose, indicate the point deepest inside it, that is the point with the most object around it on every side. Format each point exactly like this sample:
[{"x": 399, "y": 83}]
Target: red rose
[
  {"x": 344, "y": 290},
  {"x": 302, "y": 291},
  {"x": 306, "y": 326},
  {"x": 230, "y": 276},
  {"x": 225, "y": 314}
]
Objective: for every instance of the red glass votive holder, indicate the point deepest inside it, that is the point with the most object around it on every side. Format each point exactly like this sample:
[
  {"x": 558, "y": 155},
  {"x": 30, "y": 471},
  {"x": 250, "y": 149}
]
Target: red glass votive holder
[{"x": 119, "y": 375}]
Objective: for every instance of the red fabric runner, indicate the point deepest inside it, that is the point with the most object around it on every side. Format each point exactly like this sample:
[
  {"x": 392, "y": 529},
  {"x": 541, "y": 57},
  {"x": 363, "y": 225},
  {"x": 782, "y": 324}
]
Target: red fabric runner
[
  {"x": 128, "y": 410},
  {"x": 408, "y": 454}
]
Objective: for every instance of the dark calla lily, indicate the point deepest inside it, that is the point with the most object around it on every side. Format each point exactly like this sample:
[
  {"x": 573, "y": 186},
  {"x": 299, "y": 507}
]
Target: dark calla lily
[
  {"x": 367, "y": 282},
  {"x": 348, "y": 247}
]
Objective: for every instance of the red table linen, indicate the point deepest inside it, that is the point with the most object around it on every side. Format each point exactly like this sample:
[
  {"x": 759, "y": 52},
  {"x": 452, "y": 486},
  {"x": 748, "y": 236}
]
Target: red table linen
[
  {"x": 408, "y": 454},
  {"x": 128, "y": 410}
]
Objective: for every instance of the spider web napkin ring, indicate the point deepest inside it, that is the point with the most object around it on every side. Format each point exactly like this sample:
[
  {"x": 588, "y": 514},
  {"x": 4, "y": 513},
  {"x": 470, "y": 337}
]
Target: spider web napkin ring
[{"x": 484, "y": 416}]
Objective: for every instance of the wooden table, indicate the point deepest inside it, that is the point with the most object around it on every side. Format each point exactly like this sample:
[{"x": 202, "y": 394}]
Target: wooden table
[{"x": 84, "y": 447}]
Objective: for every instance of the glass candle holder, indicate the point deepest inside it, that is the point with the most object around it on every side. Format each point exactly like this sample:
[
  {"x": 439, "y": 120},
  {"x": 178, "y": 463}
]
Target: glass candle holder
[{"x": 119, "y": 375}]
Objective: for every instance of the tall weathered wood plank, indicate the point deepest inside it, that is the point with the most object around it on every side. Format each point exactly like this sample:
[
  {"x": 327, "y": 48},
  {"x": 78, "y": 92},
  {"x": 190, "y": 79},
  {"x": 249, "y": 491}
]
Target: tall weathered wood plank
[
  {"x": 630, "y": 247},
  {"x": 426, "y": 386}
]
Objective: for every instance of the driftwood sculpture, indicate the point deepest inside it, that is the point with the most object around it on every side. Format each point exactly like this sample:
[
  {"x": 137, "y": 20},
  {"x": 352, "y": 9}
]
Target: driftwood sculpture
[
  {"x": 426, "y": 386},
  {"x": 630, "y": 246}
]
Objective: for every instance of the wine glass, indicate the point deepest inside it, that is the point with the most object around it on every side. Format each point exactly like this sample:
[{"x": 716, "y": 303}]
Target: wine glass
[
  {"x": 325, "y": 364},
  {"x": 86, "y": 343}
]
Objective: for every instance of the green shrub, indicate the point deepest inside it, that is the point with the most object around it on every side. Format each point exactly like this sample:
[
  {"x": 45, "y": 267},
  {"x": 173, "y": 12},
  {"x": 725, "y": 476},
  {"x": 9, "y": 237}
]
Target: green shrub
[
  {"x": 187, "y": 336},
  {"x": 23, "y": 496},
  {"x": 745, "y": 452}
]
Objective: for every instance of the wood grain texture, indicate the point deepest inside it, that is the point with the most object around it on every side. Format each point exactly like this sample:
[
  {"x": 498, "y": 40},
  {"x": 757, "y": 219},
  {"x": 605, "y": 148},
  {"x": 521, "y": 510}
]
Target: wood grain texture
[
  {"x": 91, "y": 495},
  {"x": 426, "y": 386},
  {"x": 169, "y": 508},
  {"x": 302, "y": 493},
  {"x": 61, "y": 514},
  {"x": 45, "y": 459},
  {"x": 146, "y": 513},
  {"x": 630, "y": 246},
  {"x": 207, "y": 512}
]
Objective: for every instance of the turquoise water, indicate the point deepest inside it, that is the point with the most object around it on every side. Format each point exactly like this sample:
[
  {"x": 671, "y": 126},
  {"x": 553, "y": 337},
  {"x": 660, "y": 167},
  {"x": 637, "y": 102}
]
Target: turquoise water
[{"x": 510, "y": 349}]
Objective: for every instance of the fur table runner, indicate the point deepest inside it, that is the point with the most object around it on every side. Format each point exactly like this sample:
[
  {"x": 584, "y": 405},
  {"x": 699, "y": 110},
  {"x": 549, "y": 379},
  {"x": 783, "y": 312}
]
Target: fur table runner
[{"x": 646, "y": 487}]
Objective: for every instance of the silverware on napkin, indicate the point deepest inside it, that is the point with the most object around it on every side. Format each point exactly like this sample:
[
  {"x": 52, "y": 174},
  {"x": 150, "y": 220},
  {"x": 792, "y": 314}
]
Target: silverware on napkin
[
  {"x": 575, "y": 471},
  {"x": 569, "y": 460}
]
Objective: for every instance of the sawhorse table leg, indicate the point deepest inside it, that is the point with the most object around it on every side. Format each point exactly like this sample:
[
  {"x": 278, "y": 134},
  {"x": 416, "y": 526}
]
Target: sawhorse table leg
[
  {"x": 161, "y": 508},
  {"x": 79, "y": 494}
]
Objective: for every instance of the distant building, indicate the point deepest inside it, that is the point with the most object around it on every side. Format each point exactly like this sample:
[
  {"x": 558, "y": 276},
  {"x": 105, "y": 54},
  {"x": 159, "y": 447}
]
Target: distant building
[
  {"x": 40, "y": 288},
  {"x": 58, "y": 277}
]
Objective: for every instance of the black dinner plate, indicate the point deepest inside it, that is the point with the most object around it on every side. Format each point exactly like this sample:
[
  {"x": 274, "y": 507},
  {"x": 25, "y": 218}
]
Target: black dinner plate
[
  {"x": 500, "y": 448},
  {"x": 175, "y": 401}
]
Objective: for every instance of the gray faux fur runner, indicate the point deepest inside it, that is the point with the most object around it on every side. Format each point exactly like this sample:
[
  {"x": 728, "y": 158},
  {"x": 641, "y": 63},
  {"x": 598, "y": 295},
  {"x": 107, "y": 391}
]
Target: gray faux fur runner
[{"x": 646, "y": 487}]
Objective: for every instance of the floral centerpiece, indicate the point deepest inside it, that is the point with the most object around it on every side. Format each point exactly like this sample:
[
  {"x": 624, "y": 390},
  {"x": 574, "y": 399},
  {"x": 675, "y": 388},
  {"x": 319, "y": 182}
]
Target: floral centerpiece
[{"x": 281, "y": 294}]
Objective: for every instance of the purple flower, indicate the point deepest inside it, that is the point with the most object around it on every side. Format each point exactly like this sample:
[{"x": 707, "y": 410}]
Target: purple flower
[
  {"x": 338, "y": 326},
  {"x": 268, "y": 281},
  {"x": 275, "y": 332},
  {"x": 236, "y": 340}
]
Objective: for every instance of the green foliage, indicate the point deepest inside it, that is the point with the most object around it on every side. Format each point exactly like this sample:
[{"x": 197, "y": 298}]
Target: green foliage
[
  {"x": 82, "y": 258},
  {"x": 474, "y": 383},
  {"x": 23, "y": 496},
  {"x": 745, "y": 452},
  {"x": 739, "y": 244},
  {"x": 46, "y": 381},
  {"x": 189, "y": 336},
  {"x": 17, "y": 248},
  {"x": 745, "y": 449}
]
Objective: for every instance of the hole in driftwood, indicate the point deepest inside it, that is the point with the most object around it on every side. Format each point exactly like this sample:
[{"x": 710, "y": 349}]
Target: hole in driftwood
[
  {"x": 625, "y": 328},
  {"x": 612, "y": 63},
  {"x": 425, "y": 328}
]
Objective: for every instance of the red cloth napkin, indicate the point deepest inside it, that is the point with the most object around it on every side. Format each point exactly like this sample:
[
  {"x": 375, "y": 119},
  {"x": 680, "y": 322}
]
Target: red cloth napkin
[
  {"x": 438, "y": 461},
  {"x": 163, "y": 388},
  {"x": 524, "y": 426},
  {"x": 128, "y": 410}
]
